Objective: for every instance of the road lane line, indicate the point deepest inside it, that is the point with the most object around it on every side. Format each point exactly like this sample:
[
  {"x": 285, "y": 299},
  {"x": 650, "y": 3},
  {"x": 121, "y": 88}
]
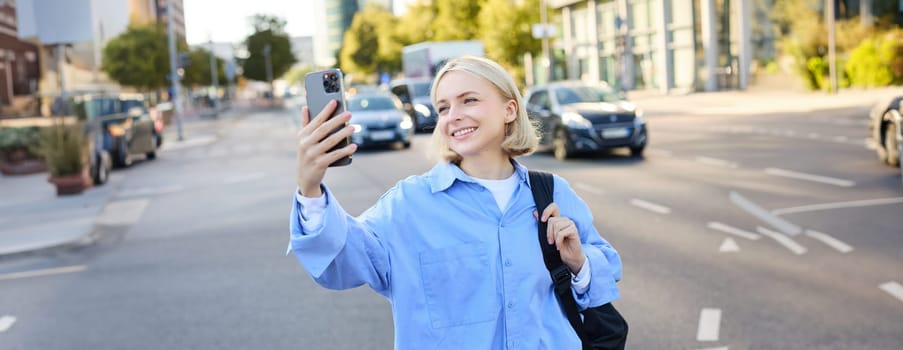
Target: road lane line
[
  {"x": 830, "y": 241},
  {"x": 659, "y": 152},
  {"x": 43, "y": 272},
  {"x": 810, "y": 177},
  {"x": 716, "y": 162},
  {"x": 588, "y": 188},
  {"x": 837, "y": 205},
  {"x": 718, "y": 348},
  {"x": 785, "y": 241},
  {"x": 893, "y": 288},
  {"x": 661, "y": 209},
  {"x": 717, "y": 226},
  {"x": 149, "y": 191},
  {"x": 6, "y": 322},
  {"x": 728, "y": 246},
  {"x": 764, "y": 215},
  {"x": 125, "y": 212},
  {"x": 709, "y": 324},
  {"x": 243, "y": 178}
]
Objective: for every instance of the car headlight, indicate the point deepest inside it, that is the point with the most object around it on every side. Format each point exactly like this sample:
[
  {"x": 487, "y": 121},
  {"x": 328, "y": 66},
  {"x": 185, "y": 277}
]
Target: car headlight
[
  {"x": 423, "y": 110},
  {"x": 575, "y": 120},
  {"x": 639, "y": 120},
  {"x": 406, "y": 122},
  {"x": 357, "y": 128}
]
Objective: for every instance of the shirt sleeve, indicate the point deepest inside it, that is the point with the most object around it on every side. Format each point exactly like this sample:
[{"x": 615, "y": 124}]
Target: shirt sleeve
[
  {"x": 580, "y": 281},
  {"x": 311, "y": 210},
  {"x": 603, "y": 260},
  {"x": 341, "y": 252}
]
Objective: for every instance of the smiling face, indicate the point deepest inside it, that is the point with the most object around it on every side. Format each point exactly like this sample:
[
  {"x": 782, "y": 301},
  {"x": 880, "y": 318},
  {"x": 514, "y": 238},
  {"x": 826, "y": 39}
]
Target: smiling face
[{"x": 472, "y": 116}]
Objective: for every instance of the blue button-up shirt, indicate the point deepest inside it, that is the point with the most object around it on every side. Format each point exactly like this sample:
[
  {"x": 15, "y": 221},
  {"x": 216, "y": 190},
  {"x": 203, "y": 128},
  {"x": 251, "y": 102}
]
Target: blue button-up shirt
[{"x": 458, "y": 272}]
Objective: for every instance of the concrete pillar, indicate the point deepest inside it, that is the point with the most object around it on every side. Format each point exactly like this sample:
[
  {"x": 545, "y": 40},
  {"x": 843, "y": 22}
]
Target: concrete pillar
[
  {"x": 626, "y": 59},
  {"x": 664, "y": 59},
  {"x": 594, "y": 68},
  {"x": 570, "y": 53},
  {"x": 865, "y": 13},
  {"x": 710, "y": 43},
  {"x": 744, "y": 14}
]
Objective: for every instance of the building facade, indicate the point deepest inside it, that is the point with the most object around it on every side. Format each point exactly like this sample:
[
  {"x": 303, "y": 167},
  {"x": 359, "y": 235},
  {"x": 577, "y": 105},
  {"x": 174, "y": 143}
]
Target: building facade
[
  {"x": 329, "y": 32},
  {"x": 154, "y": 11},
  {"x": 19, "y": 63},
  {"x": 668, "y": 45}
]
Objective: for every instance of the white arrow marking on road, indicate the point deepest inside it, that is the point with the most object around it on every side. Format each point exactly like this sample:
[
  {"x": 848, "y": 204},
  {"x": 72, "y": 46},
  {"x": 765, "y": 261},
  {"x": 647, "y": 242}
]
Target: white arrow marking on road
[
  {"x": 810, "y": 177},
  {"x": 717, "y": 226},
  {"x": 830, "y": 241},
  {"x": 42, "y": 272},
  {"x": 729, "y": 246},
  {"x": 661, "y": 209},
  {"x": 785, "y": 241},
  {"x": 759, "y": 212},
  {"x": 709, "y": 324},
  {"x": 6, "y": 322},
  {"x": 124, "y": 212},
  {"x": 588, "y": 188},
  {"x": 893, "y": 288}
]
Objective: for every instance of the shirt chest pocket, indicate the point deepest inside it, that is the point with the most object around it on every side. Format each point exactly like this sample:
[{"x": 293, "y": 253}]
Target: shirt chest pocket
[{"x": 459, "y": 285}]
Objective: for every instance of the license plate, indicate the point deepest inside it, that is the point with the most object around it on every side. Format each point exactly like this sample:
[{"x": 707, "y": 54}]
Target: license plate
[
  {"x": 615, "y": 133},
  {"x": 382, "y": 135}
]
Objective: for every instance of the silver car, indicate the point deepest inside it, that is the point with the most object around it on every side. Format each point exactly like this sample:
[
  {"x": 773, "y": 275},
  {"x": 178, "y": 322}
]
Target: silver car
[{"x": 378, "y": 119}]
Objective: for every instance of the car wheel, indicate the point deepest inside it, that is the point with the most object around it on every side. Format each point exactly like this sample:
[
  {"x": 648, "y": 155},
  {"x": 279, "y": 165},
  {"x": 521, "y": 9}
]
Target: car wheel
[
  {"x": 562, "y": 145},
  {"x": 637, "y": 152},
  {"x": 153, "y": 153},
  {"x": 102, "y": 173},
  {"x": 122, "y": 157},
  {"x": 406, "y": 144},
  {"x": 891, "y": 146}
]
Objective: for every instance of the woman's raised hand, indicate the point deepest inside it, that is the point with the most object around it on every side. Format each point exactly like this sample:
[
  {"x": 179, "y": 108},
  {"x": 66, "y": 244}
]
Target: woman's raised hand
[{"x": 314, "y": 143}]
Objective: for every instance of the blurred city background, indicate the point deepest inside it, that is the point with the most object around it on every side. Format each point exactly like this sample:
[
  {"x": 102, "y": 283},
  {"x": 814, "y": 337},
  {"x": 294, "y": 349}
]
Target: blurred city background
[{"x": 742, "y": 155}]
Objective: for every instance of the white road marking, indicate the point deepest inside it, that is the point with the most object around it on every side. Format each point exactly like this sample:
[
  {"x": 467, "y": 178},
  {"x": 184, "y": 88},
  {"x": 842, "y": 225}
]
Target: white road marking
[
  {"x": 716, "y": 162},
  {"x": 659, "y": 152},
  {"x": 830, "y": 241},
  {"x": 841, "y": 139},
  {"x": 125, "y": 212},
  {"x": 709, "y": 324},
  {"x": 729, "y": 246},
  {"x": 893, "y": 288},
  {"x": 6, "y": 322},
  {"x": 192, "y": 142},
  {"x": 810, "y": 177},
  {"x": 42, "y": 272},
  {"x": 718, "y": 348},
  {"x": 838, "y": 205},
  {"x": 650, "y": 206},
  {"x": 785, "y": 241},
  {"x": 589, "y": 188},
  {"x": 759, "y": 212},
  {"x": 243, "y": 178},
  {"x": 813, "y": 135},
  {"x": 717, "y": 226},
  {"x": 149, "y": 191}
]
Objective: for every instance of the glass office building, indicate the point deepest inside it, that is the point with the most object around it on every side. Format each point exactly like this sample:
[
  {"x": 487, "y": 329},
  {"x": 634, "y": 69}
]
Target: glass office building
[{"x": 669, "y": 45}]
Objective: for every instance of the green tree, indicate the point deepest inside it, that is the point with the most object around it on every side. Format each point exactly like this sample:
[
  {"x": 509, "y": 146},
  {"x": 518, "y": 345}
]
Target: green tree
[
  {"x": 198, "y": 71},
  {"x": 508, "y": 37},
  {"x": 139, "y": 57},
  {"x": 269, "y": 31},
  {"x": 456, "y": 19},
  {"x": 370, "y": 45},
  {"x": 416, "y": 24}
]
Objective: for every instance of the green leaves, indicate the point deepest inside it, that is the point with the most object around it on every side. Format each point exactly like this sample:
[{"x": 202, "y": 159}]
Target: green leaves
[
  {"x": 138, "y": 57},
  {"x": 268, "y": 31}
]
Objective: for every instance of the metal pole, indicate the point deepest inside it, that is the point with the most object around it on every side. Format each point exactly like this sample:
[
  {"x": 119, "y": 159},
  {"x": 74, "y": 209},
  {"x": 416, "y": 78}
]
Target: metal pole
[
  {"x": 546, "y": 50},
  {"x": 832, "y": 54},
  {"x": 214, "y": 80},
  {"x": 269, "y": 69},
  {"x": 174, "y": 69}
]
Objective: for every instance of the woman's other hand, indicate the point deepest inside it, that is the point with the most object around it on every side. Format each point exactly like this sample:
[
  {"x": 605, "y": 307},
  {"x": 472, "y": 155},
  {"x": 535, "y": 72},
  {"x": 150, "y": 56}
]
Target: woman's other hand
[
  {"x": 563, "y": 233},
  {"x": 314, "y": 143}
]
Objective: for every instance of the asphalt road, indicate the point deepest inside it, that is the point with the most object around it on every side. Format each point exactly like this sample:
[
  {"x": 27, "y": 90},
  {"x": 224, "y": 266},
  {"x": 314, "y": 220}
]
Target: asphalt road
[{"x": 763, "y": 232}]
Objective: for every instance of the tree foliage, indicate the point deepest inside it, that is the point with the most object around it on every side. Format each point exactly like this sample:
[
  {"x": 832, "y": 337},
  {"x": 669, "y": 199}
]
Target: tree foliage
[
  {"x": 198, "y": 72},
  {"x": 506, "y": 32},
  {"x": 457, "y": 19},
  {"x": 370, "y": 44},
  {"x": 416, "y": 24},
  {"x": 268, "y": 31},
  {"x": 139, "y": 57}
]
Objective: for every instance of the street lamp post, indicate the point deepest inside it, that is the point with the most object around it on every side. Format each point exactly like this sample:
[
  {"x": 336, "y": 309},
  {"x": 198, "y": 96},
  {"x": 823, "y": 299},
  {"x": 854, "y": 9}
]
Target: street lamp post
[
  {"x": 269, "y": 69},
  {"x": 546, "y": 50},
  {"x": 174, "y": 69},
  {"x": 832, "y": 52},
  {"x": 214, "y": 79}
]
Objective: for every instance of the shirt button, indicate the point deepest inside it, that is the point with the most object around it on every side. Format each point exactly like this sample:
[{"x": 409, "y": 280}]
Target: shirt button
[
  {"x": 510, "y": 305},
  {"x": 507, "y": 262}
]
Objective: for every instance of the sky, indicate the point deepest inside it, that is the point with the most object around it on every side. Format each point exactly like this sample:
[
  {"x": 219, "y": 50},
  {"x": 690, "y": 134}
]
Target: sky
[{"x": 226, "y": 20}]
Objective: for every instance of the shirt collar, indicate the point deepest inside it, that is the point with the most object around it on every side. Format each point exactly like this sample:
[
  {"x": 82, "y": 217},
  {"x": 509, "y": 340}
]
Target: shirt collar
[{"x": 444, "y": 174}]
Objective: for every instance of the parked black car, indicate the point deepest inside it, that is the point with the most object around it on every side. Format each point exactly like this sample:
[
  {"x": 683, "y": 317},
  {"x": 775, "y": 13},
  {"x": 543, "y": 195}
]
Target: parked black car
[
  {"x": 378, "y": 119},
  {"x": 415, "y": 98},
  {"x": 576, "y": 117},
  {"x": 886, "y": 129},
  {"x": 121, "y": 128}
]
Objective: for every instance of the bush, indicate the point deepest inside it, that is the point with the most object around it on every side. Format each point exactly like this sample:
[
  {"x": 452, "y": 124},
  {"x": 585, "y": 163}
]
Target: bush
[
  {"x": 19, "y": 139},
  {"x": 64, "y": 148},
  {"x": 877, "y": 61}
]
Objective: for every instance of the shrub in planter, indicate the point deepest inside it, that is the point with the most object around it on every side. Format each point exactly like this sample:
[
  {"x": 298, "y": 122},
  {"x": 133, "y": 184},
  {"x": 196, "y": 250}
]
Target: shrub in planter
[
  {"x": 17, "y": 151},
  {"x": 64, "y": 149}
]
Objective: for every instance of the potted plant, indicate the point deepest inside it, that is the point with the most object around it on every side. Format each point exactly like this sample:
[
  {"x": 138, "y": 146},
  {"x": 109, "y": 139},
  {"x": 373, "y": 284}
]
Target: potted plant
[
  {"x": 64, "y": 149},
  {"x": 17, "y": 155}
]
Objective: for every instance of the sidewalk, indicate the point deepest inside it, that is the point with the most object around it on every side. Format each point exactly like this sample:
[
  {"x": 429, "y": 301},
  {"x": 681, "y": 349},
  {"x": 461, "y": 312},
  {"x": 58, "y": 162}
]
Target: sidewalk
[{"x": 33, "y": 217}]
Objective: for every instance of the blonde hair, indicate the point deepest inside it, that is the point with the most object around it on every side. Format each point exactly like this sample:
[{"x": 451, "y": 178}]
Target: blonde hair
[{"x": 521, "y": 135}]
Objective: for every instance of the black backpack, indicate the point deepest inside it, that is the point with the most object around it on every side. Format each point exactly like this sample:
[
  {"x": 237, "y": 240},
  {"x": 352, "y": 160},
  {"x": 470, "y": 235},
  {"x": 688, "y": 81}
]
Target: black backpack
[{"x": 602, "y": 327}]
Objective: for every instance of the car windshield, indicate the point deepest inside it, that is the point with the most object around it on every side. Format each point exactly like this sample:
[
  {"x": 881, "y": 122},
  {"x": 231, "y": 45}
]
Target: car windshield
[
  {"x": 421, "y": 89},
  {"x": 582, "y": 94},
  {"x": 370, "y": 104}
]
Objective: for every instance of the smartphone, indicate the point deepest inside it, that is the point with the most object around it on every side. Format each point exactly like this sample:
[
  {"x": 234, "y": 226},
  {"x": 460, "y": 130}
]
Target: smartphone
[{"x": 324, "y": 86}]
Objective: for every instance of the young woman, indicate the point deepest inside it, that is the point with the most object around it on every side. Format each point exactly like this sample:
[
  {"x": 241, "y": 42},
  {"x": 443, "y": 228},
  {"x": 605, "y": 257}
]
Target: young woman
[{"x": 455, "y": 249}]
